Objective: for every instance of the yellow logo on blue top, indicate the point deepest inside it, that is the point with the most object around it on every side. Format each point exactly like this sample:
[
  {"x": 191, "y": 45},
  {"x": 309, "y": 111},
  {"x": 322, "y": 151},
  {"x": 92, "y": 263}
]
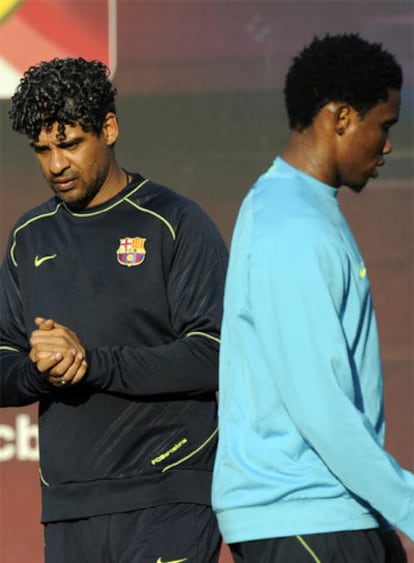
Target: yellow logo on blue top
[{"x": 362, "y": 270}]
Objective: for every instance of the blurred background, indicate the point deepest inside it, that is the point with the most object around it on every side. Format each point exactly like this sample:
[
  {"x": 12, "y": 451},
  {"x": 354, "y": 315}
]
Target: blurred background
[{"x": 201, "y": 110}]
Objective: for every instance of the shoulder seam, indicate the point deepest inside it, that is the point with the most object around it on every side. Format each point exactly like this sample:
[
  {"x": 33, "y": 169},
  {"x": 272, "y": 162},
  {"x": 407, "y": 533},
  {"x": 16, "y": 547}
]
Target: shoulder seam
[
  {"x": 154, "y": 214},
  {"x": 25, "y": 224}
]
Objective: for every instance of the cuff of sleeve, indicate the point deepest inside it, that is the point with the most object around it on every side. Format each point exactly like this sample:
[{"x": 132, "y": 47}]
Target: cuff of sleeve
[{"x": 36, "y": 379}]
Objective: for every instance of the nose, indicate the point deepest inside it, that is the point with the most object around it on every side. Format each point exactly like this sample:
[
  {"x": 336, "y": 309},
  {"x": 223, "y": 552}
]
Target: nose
[
  {"x": 387, "y": 147},
  {"x": 57, "y": 161}
]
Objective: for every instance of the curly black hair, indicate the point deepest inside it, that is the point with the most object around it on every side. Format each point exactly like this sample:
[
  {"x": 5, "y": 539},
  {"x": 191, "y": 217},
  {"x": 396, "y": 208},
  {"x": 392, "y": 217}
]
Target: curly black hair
[
  {"x": 64, "y": 91},
  {"x": 338, "y": 68}
]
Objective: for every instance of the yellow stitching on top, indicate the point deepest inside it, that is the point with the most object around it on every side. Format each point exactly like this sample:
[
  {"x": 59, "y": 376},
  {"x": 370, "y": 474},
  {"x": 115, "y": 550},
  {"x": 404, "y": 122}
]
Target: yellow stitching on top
[
  {"x": 309, "y": 549},
  {"x": 12, "y": 249},
  {"x": 9, "y": 348},
  {"x": 191, "y": 454},
  {"x": 32, "y": 220},
  {"x": 125, "y": 198},
  {"x": 42, "y": 478},
  {"x": 205, "y": 334},
  {"x": 157, "y": 215}
]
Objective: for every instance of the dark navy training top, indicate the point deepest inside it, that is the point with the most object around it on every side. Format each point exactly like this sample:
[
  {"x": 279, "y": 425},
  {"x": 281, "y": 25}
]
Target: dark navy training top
[{"x": 140, "y": 280}]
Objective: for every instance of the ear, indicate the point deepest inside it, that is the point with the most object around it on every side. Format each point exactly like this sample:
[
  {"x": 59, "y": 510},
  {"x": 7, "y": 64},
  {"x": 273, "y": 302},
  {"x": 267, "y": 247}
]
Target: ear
[
  {"x": 110, "y": 129},
  {"x": 342, "y": 118}
]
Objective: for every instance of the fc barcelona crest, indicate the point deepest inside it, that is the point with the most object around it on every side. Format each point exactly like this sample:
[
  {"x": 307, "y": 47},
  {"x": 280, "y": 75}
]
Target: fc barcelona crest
[{"x": 131, "y": 251}]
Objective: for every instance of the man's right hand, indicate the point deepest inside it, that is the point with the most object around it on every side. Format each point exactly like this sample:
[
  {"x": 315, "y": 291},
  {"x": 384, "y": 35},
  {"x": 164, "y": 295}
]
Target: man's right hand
[{"x": 57, "y": 352}]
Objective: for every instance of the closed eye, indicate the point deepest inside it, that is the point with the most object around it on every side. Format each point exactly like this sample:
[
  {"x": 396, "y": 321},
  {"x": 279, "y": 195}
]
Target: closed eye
[
  {"x": 68, "y": 145},
  {"x": 39, "y": 149},
  {"x": 388, "y": 124}
]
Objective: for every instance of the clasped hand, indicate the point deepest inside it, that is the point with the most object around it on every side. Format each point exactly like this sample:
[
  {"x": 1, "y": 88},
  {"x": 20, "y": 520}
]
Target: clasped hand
[{"x": 57, "y": 352}]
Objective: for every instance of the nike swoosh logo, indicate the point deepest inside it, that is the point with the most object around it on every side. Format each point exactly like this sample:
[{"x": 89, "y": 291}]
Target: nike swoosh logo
[
  {"x": 363, "y": 273},
  {"x": 159, "y": 560},
  {"x": 39, "y": 261}
]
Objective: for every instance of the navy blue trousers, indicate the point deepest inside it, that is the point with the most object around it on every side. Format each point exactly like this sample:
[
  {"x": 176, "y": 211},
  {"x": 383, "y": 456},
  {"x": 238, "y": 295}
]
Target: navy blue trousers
[
  {"x": 162, "y": 534},
  {"x": 361, "y": 546}
]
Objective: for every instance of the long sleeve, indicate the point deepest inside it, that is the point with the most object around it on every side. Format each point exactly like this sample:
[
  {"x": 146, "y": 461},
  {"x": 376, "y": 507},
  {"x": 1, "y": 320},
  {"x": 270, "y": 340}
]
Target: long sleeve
[
  {"x": 139, "y": 279},
  {"x": 20, "y": 382},
  {"x": 301, "y": 411}
]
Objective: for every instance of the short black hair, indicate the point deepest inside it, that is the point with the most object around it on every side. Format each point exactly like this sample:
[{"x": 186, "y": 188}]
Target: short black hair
[
  {"x": 64, "y": 91},
  {"x": 338, "y": 68}
]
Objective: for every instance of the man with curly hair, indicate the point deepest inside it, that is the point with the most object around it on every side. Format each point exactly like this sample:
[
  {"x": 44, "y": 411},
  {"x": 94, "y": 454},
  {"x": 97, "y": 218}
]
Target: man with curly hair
[
  {"x": 301, "y": 473},
  {"x": 110, "y": 311}
]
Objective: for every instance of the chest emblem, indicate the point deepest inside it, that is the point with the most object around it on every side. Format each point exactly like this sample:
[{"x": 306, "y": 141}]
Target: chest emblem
[{"x": 131, "y": 251}]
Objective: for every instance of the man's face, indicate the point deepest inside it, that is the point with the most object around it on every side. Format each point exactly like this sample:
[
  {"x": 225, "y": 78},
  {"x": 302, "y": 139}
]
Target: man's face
[
  {"x": 365, "y": 143},
  {"x": 76, "y": 166}
]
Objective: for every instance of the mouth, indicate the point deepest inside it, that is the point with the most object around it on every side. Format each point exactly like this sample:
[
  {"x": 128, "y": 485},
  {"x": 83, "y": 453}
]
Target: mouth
[
  {"x": 375, "y": 172},
  {"x": 63, "y": 185}
]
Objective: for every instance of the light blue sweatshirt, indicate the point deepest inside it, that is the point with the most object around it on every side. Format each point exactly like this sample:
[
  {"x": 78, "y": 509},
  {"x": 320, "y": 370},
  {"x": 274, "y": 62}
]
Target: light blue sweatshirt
[{"x": 301, "y": 417}]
